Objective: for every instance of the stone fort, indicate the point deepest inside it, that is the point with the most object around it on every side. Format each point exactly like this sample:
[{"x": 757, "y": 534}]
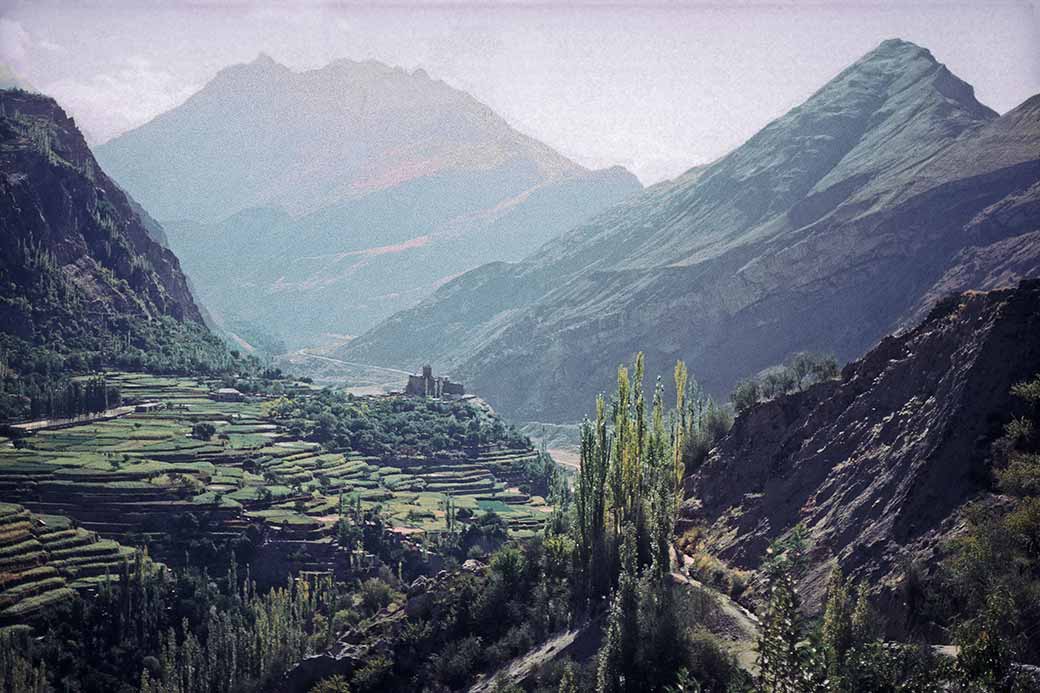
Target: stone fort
[{"x": 426, "y": 385}]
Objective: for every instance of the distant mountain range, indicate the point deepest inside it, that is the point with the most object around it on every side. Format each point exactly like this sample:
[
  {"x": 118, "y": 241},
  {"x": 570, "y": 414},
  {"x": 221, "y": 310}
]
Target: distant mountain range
[
  {"x": 323, "y": 201},
  {"x": 839, "y": 222}
]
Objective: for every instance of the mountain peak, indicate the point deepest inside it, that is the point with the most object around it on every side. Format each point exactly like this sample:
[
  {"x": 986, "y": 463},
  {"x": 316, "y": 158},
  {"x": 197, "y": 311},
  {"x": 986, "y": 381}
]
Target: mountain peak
[
  {"x": 264, "y": 60},
  {"x": 897, "y": 47},
  {"x": 261, "y": 67}
]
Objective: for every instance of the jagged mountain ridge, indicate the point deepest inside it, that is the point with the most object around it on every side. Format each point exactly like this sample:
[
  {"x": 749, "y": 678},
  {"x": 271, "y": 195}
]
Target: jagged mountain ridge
[
  {"x": 78, "y": 264},
  {"x": 879, "y": 465},
  {"x": 832, "y": 226},
  {"x": 285, "y": 191},
  {"x": 302, "y": 141}
]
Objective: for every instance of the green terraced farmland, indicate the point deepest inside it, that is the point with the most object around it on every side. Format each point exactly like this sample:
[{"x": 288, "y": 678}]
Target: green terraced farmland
[
  {"x": 135, "y": 474},
  {"x": 44, "y": 558}
]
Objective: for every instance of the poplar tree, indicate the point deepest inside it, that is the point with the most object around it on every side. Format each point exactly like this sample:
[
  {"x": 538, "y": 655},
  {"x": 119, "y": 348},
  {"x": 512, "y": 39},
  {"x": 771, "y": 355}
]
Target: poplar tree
[{"x": 837, "y": 630}]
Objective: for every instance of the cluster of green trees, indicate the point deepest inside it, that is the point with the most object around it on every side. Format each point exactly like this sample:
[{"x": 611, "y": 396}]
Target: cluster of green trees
[
  {"x": 843, "y": 652},
  {"x": 601, "y": 567},
  {"x": 985, "y": 596},
  {"x": 76, "y": 398},
  {"x": 625, "y": 504},
  {"x": 603, "y": 563},
  {"x": 800, "y": 371},
  {"x": 393, "y": 425},
  {"x": 19, "y": 673},
  {"x": 155, "y": 630},
  {"x": 247, "y": 644},
  {"x": 35, "y": 372}
]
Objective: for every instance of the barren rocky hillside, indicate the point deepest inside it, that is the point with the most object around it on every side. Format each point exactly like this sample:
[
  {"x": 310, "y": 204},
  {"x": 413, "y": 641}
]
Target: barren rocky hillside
[{"x": 878, "y": 465}]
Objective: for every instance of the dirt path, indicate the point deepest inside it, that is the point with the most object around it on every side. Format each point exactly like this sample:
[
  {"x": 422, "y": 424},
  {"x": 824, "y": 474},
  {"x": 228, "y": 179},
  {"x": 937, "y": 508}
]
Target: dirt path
[
  {"x": 741, "y": 638},
  {"x": 521, "y": 668},
  {"x": 738, "y": 632},
  {"x": 304, "y": 352},
  {"x": 41, "y": 424}
]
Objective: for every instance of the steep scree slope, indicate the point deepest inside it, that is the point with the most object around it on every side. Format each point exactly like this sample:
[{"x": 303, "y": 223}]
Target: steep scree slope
[{"x": 878, "y": 464}]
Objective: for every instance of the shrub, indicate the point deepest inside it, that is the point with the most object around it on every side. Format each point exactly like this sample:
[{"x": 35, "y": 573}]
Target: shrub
[
  {"x": 203, "y": 430},
  {"x": 331, "y": 684},
  {"x": 745, "y": 395},
  {"x": 375, "y": 595}
]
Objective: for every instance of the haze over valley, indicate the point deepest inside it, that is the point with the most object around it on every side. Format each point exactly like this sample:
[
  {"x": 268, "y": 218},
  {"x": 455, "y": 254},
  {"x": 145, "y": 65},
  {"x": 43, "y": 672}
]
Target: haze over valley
[{"x": 341, "y": 374}]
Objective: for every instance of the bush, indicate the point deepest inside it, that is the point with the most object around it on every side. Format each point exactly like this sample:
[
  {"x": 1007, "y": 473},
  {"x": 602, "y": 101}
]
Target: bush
[
  {"x": 745, "y": 395},
  {"x": 203, "y": 430},
  {"x": 800, "y": 371},
  {"x": 375, "y": 595},
  {"x": 332, "y": 684},
  {"x": 372, "y": 676}
]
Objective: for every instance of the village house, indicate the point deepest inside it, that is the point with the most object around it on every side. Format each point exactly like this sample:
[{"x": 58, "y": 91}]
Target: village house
[{"x": 227, "y": 394}]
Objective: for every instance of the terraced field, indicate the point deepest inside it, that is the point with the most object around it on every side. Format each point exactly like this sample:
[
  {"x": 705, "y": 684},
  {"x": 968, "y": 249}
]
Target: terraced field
[
  {"x": 136, "y": 474},
  {"x": 45, "y": 558}
]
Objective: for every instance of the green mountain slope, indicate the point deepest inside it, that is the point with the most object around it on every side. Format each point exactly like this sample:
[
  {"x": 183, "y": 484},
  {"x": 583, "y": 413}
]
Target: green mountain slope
[{"x": 83, "y": 281}]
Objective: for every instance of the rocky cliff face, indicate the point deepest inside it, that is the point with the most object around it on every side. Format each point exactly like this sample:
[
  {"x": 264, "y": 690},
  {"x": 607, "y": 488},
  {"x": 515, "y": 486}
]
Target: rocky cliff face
[
  {"x": 326, "y": 200},
  {"x": 76, "y": 259},
  {"x": 878, "y": 464},
  {"x": 838, "y": 223}
]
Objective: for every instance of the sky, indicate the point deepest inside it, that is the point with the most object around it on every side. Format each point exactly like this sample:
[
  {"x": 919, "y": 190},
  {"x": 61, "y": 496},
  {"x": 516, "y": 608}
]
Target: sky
[{"x": 655, "y": 87}]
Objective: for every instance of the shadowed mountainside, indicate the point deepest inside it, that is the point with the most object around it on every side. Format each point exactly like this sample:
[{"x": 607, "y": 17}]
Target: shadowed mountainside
[
  {"x": 78, "y": 264},
  {"x": 877, "y": 466}
]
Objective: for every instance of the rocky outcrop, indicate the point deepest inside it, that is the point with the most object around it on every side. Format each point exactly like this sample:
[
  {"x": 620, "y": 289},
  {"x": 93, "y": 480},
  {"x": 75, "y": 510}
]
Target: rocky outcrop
[
  {"x": 877, "y": 465},
  {"x": 840, "y": 222},
  {"x": 76, "y": 259}
]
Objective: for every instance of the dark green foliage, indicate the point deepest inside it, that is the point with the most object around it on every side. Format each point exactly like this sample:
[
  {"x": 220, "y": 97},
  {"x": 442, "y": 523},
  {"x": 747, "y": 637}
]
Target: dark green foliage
[
  {"x": 18, "y": 672},
  {"x": 786, "y": 666},
  {"x": 332, "y": 684},
  {"x": 625, "y": 509},
  {"x": 709, "y": 425},
  {"x": 856, "y": 661},
  {"x": 745, "y": 394},
  {"x": 375, "y": 595},
  {"x": 479, "y": 621},
  {"x": 157, "y": 632},
  {"x": 82, "y": 284},
  {"x": 74, "y": 398},
  {"x": 989, "y": 586},
  {"x": 203, "y": 430},
  {"x": 799, "y": 372},
  {"x": 36, "y": 377},
  {"x": 394, "y": 425}
]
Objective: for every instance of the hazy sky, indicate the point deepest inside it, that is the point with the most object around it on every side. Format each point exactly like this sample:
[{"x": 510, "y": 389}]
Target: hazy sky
[{"x": 655, "y": 87}]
